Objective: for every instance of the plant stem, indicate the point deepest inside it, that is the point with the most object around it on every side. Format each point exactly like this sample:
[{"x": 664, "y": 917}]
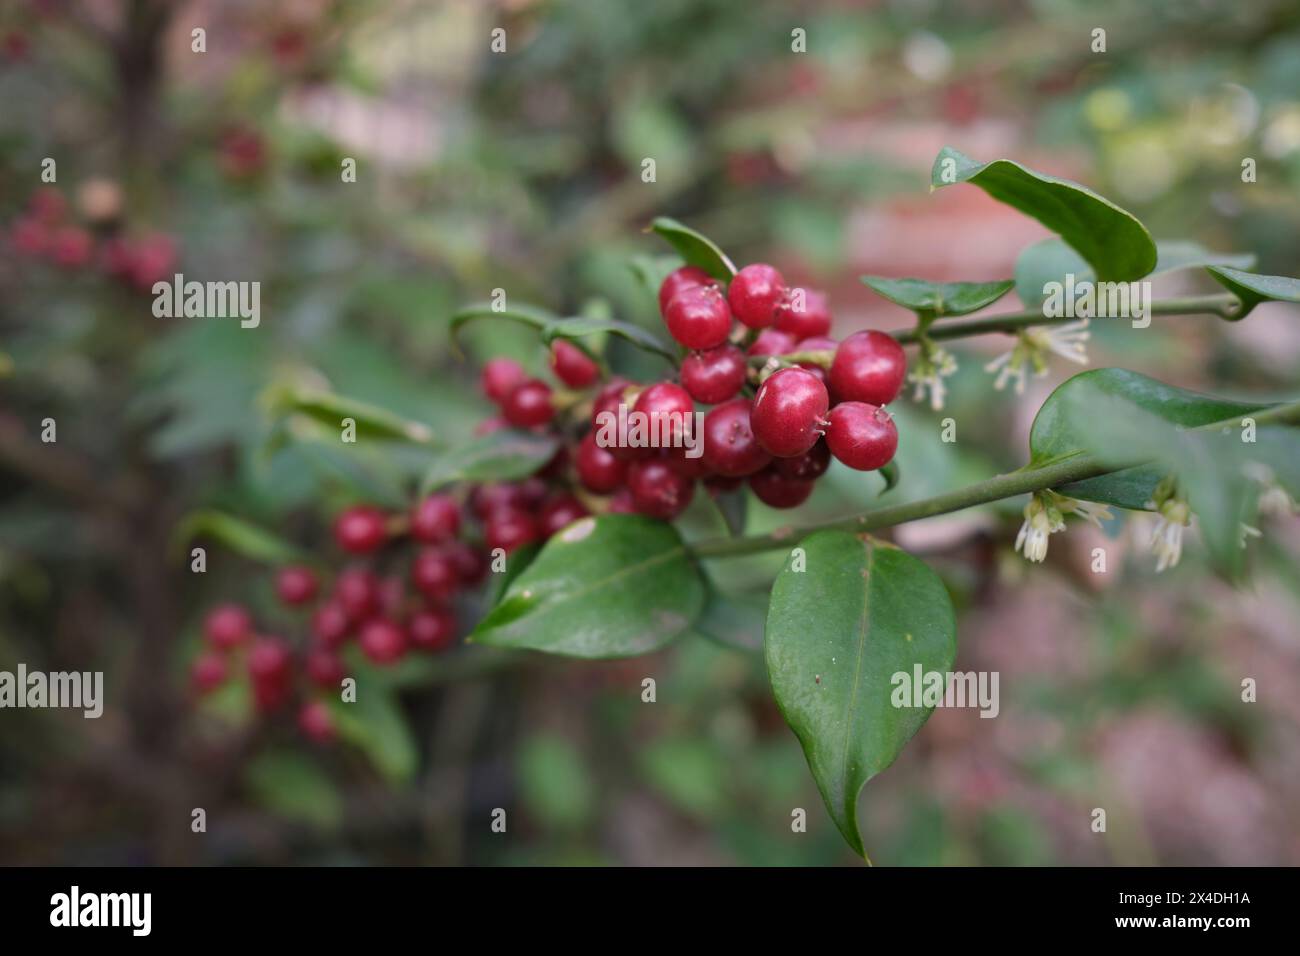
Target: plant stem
[
  {"x": 1051, "y": 475},
  {"x": 1219, "y": 305},
  {"x": 1010, "y": 322}
]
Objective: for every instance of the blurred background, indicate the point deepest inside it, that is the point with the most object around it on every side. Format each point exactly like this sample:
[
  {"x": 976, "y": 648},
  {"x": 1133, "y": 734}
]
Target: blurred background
[{"x": 521, "y": 170}]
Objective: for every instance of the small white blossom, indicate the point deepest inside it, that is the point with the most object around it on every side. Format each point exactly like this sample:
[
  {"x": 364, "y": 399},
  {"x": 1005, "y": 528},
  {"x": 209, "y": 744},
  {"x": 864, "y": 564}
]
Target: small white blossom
[
  {"x": 933, "y": 365},
  {"x": 1032, "y": 348},
  {"x": 1167, "y": 538},
  {"x": 1042, "y": 520},
  {"x": 1089, "y": 511},
  {"x": 1247, "y": 532}
]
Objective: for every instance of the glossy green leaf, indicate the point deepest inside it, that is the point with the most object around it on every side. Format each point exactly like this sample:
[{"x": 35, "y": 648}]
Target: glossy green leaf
[
  {"x": 935, "y": 299},
  {"x": 1051, "y": 260},
  {"x": 504, "y": 455},
  {"x": 613, "y": 586},
  {"x": 890, "y": 473},
  {"x": 1252, "y": 289},
  {"x": 838, "y": 632},
  {"x": 577, "y": 328},
  {"x": 1069, "y": 421},
  {"x": 242, "y": 537},
  {"x": 695, "y": 248},
  {"x": 1110, "y": 239},
  {"x": 330, "y": 410}
]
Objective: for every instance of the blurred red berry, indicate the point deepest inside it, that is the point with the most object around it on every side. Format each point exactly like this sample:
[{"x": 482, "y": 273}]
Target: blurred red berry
[
  {"x": 433, "y": 629},
  {"x": 296, "y": 585},
  {"x": 361, "y": 529},
  {"x": 434, "y": 574},
  {"x": 560, "y": 512},
  {"x": 208, "y": 672},
  {"x": 227, "y": 626},
  {"x": 382, "y": 641},
  {"x": 331, "y": 623},
  {"x": 572, "y": 365},
  {"x": 357, "y": 591},
  {"x": 316, "y": 722},
  {"x": 657, "y": 490},
  {"x": 598, "y": 470},
  {"x": 499, "y": 378},
  {"x": 777, "y": 491},
  {"x": 528, "y": 404},
  {"x": 435, "y": 518},
  {"x": 325, "y": 668},
  {"x": 508, "y": 529}
]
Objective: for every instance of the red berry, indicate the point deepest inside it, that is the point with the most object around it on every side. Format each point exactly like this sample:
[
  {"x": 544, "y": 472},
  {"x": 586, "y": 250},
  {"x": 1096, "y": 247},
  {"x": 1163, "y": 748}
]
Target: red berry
[
  {"x": 324, "y": 668},
  {"x": 296, "y": 585},
  {"x": 227, "y": 626},
  {"x": 685, "y": 465},
  {"x": 657, "y": 490},
  {"x": 772, "y": 342},
  {"x": 809, "y": 318},
  {"x": 788, "y": 412},
  {"x": 868, "y": 367},
  {"x": 208, "y": 672},
  {"x": 433, "y": 629},
  {"x": 598, "y": 470},
  {"x": 671, "y": 405},
  {"x": 331, "y": 623},
  {"x": 714, "y": 376},
  {"x": 382, "y": 641},
  {"x": 499, "y": 377},
  {"x": 72, "y": 247},
  {"x": 572, "y": 365},
  {"x": 471, "y": 563},
  {"x": 357, "y": 591},
  {"x": 361, "y": 530},
  {"x": 777, "y": 491},
  {"x": 316, "y": 722},
  {"x": 528, "y": 404},
  {"x": 862, "y": 436},
  {"x": 435, "y": 518},
  {"x": 608, "y": 399},
  {"x": 434, "y": 574},
  {"x": 808, "y": 466},
  {"x": 684, "y": 278},
  {"x": 153, "y": 259},
  {"x": 242, "y": 152},
  {"x": 730, "y": 448},
  {"x": 269, "y": 672},
  {"x": 508, "y": 529},
  {"x": 754, "y": 294},
  {"x": 560, "y": 512},
  {"x": 698, "y": 317}
]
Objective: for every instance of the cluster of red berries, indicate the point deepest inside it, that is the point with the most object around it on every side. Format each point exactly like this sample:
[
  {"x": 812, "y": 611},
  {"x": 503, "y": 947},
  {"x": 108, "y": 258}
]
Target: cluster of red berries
[{"x": 46, "y": 230}]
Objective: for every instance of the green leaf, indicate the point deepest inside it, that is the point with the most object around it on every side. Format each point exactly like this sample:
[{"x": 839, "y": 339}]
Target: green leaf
[
  {"x": 243, "y": 537},
  {"x": 837, "y": 633},
  {"x": 934, "y": 299},
  {"x": 516, "y": 562},
  {"x": 613, "y": 586},
  {"x": 1110, "y": 239},
  {"x": 292, "y": 786},
  {"x": 1068, "y": 422},
  {"x": 577, "y": 328},
  {"x": 375, "y": 724},
  {"x": 694, "y": 248},
  {"x": 1253, "y": 289},
  {"x": 533, "y": 316},
  {"x": 735, "y": 621},
  {"x": 330, "y": 410},
  {"x": 1051, "y": 260},
  {"x": 551, "y": 327},
  {"x": 503, "y": 455},
  {"x": 891, "y": 473}
]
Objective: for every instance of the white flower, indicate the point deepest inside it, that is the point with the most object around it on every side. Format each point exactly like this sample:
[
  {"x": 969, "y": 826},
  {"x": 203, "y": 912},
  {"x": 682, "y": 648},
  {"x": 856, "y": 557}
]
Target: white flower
[
  {"x": 1032, "y": 349},
  {"x": 933, "y": 365},
  {"x": 1042, "y": 519},
  {"x": 1089, "y": 511},
  {"x": 1247, "y": 532},
  {"x": 1167, "y": 538}
]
